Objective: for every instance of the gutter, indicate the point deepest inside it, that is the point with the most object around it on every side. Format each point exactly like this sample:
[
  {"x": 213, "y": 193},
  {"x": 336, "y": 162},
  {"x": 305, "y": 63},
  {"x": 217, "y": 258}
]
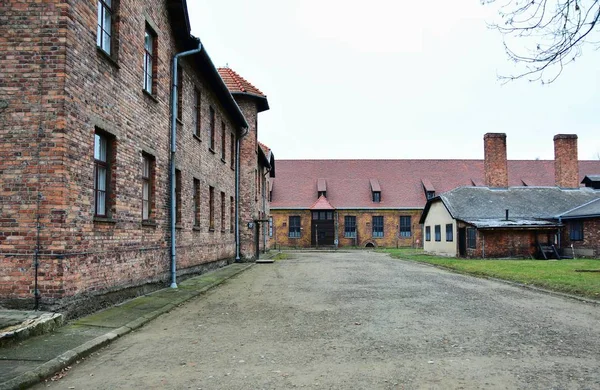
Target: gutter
[{"x": 172, "y": 197}]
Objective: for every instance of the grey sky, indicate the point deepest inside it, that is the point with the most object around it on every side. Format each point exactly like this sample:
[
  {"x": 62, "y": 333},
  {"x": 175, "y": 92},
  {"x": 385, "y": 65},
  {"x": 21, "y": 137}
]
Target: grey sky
[{"x": 393, "y": 79}]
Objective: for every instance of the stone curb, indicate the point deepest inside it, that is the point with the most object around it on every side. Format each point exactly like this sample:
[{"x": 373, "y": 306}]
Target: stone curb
[
  {"x": 509, "y": 282},
  {"x": 50, "y": 367}
]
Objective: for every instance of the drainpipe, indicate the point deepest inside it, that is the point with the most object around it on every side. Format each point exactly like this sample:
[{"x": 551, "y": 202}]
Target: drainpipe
[
  {"x": 172, "y": 160},
  {"x": 237, "y": 195}
]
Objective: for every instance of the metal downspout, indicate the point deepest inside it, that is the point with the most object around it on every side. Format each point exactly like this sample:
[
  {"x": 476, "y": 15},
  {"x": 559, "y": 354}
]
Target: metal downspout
[
  {"x": 237, "y": 196},
  {"x": 172, "y": 197}
]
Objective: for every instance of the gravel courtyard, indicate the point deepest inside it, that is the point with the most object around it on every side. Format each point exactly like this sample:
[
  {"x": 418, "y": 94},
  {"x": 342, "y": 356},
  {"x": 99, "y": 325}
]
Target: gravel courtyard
[{"x": 357, "y": 320}]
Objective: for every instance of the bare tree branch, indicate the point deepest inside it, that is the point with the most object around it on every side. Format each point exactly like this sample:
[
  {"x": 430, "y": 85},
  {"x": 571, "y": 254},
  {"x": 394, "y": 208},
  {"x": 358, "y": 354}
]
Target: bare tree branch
[{"x": 545, "y": 35}]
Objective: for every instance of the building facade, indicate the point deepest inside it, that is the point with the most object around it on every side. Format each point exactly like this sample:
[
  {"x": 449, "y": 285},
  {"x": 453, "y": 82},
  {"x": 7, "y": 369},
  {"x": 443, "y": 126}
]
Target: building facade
[
  {"x": 379, "y": 202},
  {"x": 497, "y": 220},
  {"x": 87, "y": 147}
]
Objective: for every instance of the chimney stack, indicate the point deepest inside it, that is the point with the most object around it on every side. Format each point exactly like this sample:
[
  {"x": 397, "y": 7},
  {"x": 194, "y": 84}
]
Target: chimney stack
[
  {"x": 495, "y": 165},
  {"x": 566, "y": 163}
]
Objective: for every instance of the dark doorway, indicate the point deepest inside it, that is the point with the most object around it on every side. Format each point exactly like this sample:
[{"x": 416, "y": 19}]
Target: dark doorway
[
  {"x": 462, "y": 242},
  {"x": 322, "y": 228}
]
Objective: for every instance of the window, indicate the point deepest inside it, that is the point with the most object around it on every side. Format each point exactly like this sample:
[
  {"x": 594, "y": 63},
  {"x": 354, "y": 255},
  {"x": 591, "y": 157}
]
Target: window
[
  {"x": 223, "y": 139},
  {"x": 378, "y": 226},
  {"x": 179, "y": 92},
  {"x": 270, "y": 226},
  {"x": 101, "y": 174},
  {"x": 350, "y": 226},
  {"x": 232, "y": 149},
  {"x": 255, "y": 184},
  {"x": 430, "y": 194},
  {"x": 177, "y": 196},
  {"x": 449, "y": 233},
  {"x": 222, "y": 212},
  {"x": 576, "y": 230},
  {"x": 147, "y": 186},
  {"x": 197, "y": 116},
  {"x": 294, "y": 227},
  {"x": 471, "y": 238},
  {"x": 211, "y": 208},
  {"x": 196, "y": 196},
  {"x": 405, "y": 225},
  {"x": 231, "y": 214},
  {"x": 438, "y": 233},
  {"x": 322, "y": 215},
  {"x": 427, "y": 233},
  {"x": 149, "y": 60},
  {"x": 376, "y": 196},
  {"x": 104, "y": 30},
  {"x": 323, "y": 193},
  {"x": 212, "y": 129}
]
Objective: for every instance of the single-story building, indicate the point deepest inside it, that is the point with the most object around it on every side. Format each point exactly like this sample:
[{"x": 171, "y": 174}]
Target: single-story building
[{"x": 512, "y": 222}]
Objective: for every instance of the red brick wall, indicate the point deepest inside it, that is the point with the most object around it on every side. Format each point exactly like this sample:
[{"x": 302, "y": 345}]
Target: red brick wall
[
  {"x": 495, "y": 165},
  {"x": 509, "y": 243},
  {"x": 85, "y": 90},
  {"x": 566, "y": 164},
  {"x": 391, "y": 220},
  {"x": 590, "y": 245}
]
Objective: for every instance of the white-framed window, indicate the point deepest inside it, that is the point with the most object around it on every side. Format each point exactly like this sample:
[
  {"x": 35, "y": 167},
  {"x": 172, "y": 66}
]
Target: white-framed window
[
  {"x": 149, "y": 60},
  {"x": 104, "y": 30}
]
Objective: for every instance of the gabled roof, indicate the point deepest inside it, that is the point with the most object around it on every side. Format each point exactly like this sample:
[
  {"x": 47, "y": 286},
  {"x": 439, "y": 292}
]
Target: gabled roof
[
  {"x": 238, "y": 85},
  {"x": 321, "y": 204},
  {"x": 590, "y": 209},
  {"x": 476, "y": 204},
  {"x": 269, "y": 158},
  {"x": 348, "y": 184}
]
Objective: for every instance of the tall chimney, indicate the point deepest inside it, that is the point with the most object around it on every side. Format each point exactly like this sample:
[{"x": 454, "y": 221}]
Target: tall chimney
[
  {"x": 566, "y": 164},
  {"x": 495, "y": 165}
]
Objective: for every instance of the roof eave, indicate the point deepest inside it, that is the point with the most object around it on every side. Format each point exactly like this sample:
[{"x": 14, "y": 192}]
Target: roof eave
[{"x": 262, "y": 104}]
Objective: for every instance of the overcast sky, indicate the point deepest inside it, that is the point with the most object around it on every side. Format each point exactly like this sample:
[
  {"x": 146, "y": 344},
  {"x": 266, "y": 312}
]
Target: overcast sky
[{"x": 393, "y": 79}]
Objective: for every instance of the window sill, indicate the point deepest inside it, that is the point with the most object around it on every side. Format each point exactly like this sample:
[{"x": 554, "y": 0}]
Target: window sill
[
  {"x": 196, "y": 228},
  {"x": 222, "y": 231},
  {"x": 233, "y": 168},
  {"x": 149, "y": 95},
  {"x": 197, "y": 138},
  {"x": 211, "y": 150},
  {"x": 178, "y": 226},
  {"x": 211, "y": 230},
  {"x": 104, "y": 220},
  {"x": 108, "y": 57},
  {"x": 223, "y": 160},
  {"x": 149, "y": 223},
  {"x": 179, "y": 121}
]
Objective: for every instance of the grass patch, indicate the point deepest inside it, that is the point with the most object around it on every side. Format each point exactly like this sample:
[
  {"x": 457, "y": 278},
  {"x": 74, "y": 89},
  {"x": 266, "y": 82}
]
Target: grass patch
[
  {"x": 281, "y": 256},
  {"x": 563, "y": 275}
]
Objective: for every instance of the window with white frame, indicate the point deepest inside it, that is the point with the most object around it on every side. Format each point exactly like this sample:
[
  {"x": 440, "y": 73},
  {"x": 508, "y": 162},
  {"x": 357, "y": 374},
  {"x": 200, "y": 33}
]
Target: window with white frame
[{"x": 104, "y": 29}]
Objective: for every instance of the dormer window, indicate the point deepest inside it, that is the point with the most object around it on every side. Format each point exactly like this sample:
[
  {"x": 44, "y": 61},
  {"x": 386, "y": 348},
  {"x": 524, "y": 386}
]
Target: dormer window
[
  {"x": 428, "y": 188},
  {"x": 375, "y": 190},
  {"x": 321, "y": 188},
  {"x": 376, "y": 196}
]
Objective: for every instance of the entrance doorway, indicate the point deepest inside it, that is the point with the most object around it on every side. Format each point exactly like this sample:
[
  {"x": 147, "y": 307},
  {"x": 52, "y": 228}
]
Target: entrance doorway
[
  {"x": 322, "y": 228},
  {"x": 462, "y": 242}
]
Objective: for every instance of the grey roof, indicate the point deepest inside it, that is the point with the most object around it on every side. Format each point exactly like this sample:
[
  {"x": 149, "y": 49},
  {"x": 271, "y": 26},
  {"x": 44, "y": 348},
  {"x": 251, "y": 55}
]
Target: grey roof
[
  {"x": 592, "y": 177},
  {"x": 526, "y": 203},
  {"x": 511, "y": 223},
  {"x": 589, "y": 209}
]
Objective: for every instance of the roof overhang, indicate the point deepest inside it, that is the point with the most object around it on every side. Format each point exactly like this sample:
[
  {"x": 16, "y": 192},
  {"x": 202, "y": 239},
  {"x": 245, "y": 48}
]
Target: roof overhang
[{"x": 262, "y": 104}]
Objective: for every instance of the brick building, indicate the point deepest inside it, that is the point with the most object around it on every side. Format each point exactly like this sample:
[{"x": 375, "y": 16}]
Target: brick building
[
  {"x": 88, "y": 149},
  {"x": 257, "y": 166},
  {"x": 379, "y": 202},
  {"x": 498, "y": 220}
]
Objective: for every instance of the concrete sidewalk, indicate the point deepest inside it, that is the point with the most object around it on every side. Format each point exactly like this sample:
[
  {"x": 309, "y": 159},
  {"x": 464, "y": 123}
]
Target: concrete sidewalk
[{"x": 30, "y": 361}]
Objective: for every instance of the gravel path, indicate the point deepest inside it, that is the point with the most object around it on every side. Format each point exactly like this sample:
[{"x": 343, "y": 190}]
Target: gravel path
[{"x": 356, "y": 320}]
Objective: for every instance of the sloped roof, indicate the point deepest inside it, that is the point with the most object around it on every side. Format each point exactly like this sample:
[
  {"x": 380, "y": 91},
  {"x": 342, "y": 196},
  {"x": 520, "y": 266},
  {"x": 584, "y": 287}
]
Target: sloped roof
[
  {"x": 348, "y": 184},
  {"x": 511, "y": 223},
  {"x": 269, "y": 158},
  {"x": 522, "y": 203},
  {"x": 238, "y": 85},
  {"x": 321, "y": 185},
  {"x": 321, "y": 204},
  {"x": 590, "y": 209}
]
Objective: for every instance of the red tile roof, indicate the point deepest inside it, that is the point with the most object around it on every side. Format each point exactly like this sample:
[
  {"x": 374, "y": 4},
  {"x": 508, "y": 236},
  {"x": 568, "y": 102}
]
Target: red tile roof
[
  {"x": 237, "y": 84},
  {"x": 321, "y": 204},
  {"x": 401, "y": 181}
]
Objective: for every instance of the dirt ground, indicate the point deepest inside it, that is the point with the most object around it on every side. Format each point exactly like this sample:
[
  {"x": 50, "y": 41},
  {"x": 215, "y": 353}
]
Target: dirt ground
[{"x": 357, "y": 320}]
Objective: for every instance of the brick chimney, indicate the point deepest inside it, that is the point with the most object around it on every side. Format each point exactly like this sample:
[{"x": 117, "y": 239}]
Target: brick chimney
[
  {"x": 495, "y": 165},
  {"x": 566, "y": 164}
]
